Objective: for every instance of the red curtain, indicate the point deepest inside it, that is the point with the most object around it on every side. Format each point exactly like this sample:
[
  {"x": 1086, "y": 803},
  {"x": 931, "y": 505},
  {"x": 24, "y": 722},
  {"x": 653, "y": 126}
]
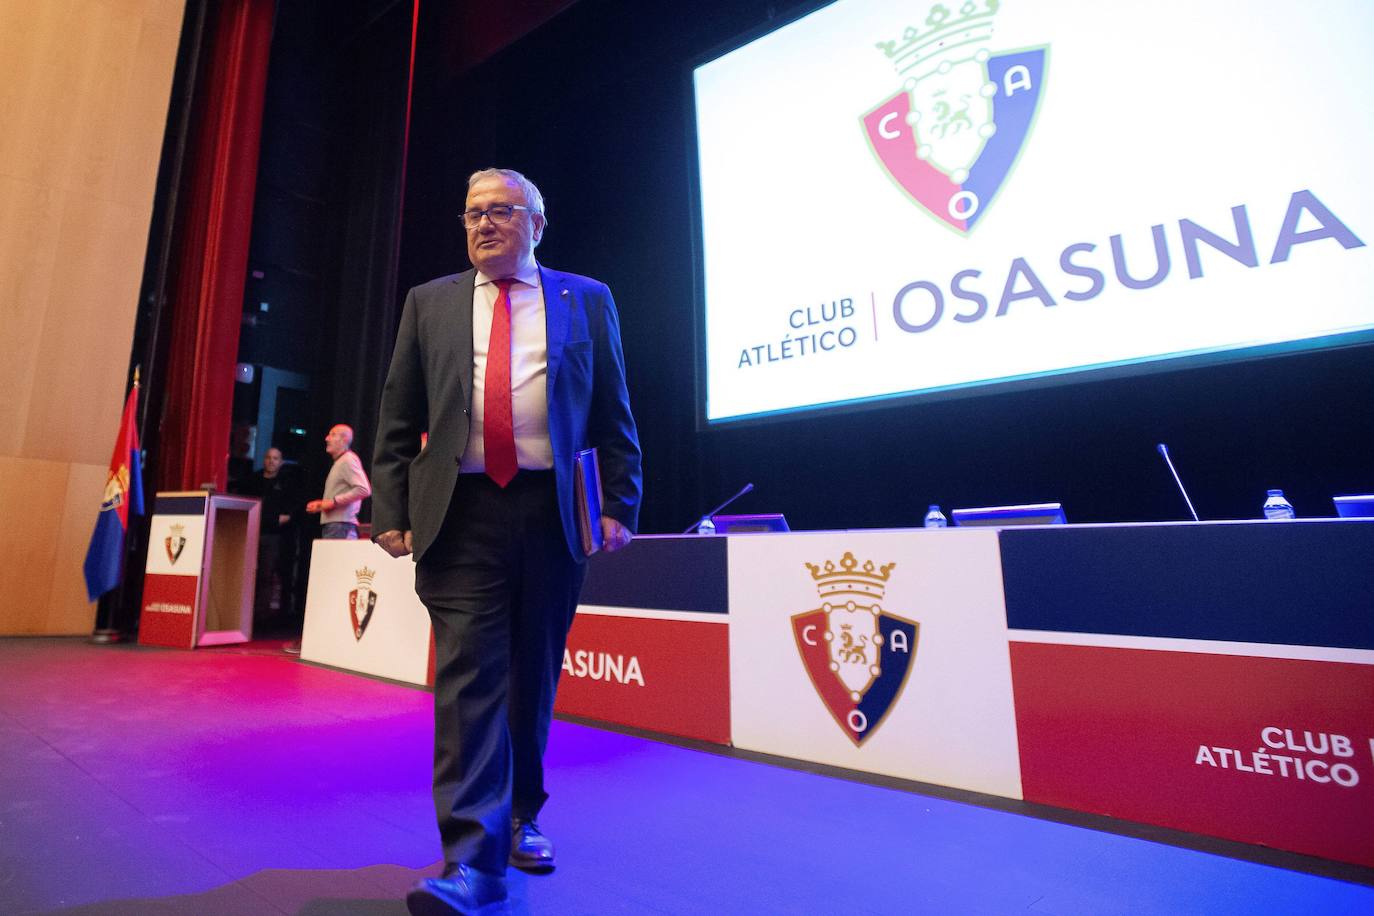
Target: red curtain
[{"x": 212, "y": 251}]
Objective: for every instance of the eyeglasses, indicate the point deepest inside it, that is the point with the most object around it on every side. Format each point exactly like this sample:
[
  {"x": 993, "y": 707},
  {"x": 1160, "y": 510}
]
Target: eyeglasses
[{"x": 497, "y": 213}]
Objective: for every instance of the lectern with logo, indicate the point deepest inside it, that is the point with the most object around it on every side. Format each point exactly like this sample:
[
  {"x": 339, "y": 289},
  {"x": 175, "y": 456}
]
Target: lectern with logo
[{"x": 202, "y": 560}]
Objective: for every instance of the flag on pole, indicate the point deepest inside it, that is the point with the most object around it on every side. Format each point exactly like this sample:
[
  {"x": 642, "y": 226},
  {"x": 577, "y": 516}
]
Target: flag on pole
[{"x": 123, "y": 492}]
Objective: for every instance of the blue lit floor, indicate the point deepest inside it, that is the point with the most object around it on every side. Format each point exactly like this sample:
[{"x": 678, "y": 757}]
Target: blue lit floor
[{"x": 146, "y": 781}]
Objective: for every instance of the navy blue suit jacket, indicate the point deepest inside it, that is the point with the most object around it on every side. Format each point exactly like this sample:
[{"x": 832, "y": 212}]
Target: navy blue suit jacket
[{"x": 429, "y": 389}]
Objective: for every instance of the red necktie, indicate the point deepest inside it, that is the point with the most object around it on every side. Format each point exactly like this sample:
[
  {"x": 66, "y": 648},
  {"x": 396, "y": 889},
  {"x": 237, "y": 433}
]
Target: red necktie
[{"x": 498, "y": 431}]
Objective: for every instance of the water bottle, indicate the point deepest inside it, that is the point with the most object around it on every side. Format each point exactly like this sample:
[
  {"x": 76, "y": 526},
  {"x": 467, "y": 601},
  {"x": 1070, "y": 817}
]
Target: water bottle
[
  {"x": 1276, "y": 506},
  {"x": 706, "y": 526},
  {"x": 936, "y": 519}
]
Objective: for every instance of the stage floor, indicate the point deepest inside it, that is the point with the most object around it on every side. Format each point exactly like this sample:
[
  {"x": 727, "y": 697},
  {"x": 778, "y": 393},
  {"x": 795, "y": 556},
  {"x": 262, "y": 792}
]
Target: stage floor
[{"x": 241, "y": 780}]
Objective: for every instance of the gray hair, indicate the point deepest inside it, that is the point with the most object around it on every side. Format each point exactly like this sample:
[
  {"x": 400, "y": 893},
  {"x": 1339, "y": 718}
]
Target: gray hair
[{"x": 533, "y": 198}]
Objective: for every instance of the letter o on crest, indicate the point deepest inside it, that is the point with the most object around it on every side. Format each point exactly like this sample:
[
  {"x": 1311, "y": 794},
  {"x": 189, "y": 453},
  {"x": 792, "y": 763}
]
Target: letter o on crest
[{"x": 963, "y": 204}]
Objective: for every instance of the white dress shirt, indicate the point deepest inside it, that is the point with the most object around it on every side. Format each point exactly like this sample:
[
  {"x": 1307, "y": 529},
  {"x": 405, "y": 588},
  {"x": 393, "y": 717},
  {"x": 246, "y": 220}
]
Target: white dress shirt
[{"x": 529, "y": 364}]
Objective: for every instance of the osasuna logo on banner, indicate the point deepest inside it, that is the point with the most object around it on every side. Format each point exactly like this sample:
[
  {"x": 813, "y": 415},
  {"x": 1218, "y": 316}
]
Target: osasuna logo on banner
[
  {"x": 949, "y": 137},
  {"x": 362, "y": 601},
  {"x": 857, "y": 654},
  {"x": 175, "y": 542}
]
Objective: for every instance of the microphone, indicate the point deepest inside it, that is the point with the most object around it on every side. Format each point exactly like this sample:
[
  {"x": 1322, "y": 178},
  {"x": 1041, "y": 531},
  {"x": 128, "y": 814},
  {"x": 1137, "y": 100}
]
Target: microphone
[
  {"x": 697, "y": 524},
  {"x": 1164, "y": 452}
]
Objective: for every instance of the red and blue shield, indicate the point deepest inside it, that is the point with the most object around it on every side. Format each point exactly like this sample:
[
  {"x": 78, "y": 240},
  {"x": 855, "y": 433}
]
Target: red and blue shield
[
  {"x": 858, "y": 657},
  {"x": 950, "y": 137},
  {"x": 362, "y": 601}
]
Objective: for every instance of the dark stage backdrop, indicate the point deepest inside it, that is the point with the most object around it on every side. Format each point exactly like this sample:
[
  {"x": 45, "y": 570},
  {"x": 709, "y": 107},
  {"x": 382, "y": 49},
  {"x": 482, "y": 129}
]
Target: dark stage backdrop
[{"x": 595, "y": 107}]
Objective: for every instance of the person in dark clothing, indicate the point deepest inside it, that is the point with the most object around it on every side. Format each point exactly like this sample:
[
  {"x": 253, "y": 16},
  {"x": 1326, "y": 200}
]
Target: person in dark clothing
[{"x": 280, "y": 488}]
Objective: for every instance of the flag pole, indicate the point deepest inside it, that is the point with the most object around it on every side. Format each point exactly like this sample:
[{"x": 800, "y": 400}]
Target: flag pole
[{"x": 106, "y": 635}]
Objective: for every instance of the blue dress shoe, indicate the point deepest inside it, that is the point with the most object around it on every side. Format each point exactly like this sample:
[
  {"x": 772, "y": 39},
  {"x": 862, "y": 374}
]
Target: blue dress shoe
[
  {"x": 530, "y": 849},
  {"x": 462, "y": 889}
]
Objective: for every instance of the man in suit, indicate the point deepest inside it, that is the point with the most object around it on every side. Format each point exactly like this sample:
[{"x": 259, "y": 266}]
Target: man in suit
[{"x": 511, "y": 368}]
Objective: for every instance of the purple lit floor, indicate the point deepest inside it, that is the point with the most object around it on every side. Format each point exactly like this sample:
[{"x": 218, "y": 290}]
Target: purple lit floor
[{"x": 146, "y": 781}]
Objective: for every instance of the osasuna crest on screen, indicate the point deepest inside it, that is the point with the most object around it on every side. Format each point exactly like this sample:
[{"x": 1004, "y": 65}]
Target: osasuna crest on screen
[
  {"x": 950, "y": 134},
  {"x": 362, "y": 601},
  {"x": 857, "y": 654}
]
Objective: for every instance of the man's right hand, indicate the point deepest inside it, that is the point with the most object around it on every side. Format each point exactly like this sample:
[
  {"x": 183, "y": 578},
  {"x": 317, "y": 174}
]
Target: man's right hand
[{"x": 396, "y": 543}]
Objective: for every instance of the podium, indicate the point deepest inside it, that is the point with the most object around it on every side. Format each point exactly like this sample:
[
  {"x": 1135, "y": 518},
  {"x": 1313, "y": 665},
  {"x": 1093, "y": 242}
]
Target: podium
[{"x": 202, "y": 562}]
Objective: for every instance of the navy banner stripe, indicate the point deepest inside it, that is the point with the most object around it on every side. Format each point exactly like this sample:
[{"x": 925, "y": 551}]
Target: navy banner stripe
[
  {"x": 1293, "y": 583},
  {"x": 667, "y": 574},
  {"x": 179, "y": 505}
]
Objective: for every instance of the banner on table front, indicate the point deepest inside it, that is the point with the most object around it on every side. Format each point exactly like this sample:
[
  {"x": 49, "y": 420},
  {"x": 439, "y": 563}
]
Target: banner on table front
[
  {"x": 1275, "y": 751},
  {"x": 883, "y": 652},
  {"x": 668, "y": 673}
]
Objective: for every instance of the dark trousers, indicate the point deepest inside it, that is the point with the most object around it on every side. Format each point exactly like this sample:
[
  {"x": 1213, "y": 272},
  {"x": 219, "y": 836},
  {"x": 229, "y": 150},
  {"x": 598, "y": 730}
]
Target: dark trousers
[
  {"x": 276, "y": 573},
  {"x": 501, "y": 587}
]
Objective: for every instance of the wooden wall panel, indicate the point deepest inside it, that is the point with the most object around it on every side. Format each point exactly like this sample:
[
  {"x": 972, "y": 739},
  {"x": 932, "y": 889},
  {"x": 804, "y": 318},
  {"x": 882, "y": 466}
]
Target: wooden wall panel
[
  {"x": 42, "y": 97},
  {"x": 84, "y": 89},
  {"x": 135, "y": 171},
  {"x": 29, "y": 492},
  {"x": 29, "y": 221},
  {"x": 83, "y": 351}
]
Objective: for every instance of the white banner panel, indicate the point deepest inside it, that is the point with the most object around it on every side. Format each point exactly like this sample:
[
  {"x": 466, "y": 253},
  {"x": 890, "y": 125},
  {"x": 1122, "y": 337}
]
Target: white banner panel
[
  {"x": 176, "y": 544},
  {"x": 882, "y": 651},
  {"x": 362, "y": 613}
]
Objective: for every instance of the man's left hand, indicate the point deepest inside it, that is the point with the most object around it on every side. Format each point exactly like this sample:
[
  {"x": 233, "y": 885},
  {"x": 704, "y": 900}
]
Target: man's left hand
[{"x": 614, "y": 534}]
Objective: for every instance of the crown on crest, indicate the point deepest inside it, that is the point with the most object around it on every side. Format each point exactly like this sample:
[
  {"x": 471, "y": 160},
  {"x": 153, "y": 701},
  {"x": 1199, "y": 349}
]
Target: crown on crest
[
  {"x": 365, "y": 575},
  {"x": 942, "y": 33},
  {"x": 176, "y": 530},
  {"x": 849, "y": 578}
]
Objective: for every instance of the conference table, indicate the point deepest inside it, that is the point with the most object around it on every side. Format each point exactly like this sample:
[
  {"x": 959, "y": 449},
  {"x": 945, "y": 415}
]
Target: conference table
[{"x": 1213, "y": 677}]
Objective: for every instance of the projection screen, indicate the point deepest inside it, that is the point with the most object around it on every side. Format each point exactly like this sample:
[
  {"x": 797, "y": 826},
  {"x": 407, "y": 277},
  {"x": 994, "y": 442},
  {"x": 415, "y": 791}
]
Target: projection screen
[{"x": 910, "y": 199}]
